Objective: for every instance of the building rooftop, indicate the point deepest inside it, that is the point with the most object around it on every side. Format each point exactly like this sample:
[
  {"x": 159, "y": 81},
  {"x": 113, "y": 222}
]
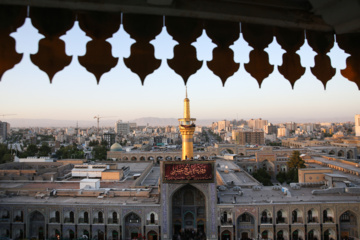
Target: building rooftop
[{"x": 236, "y": 187}]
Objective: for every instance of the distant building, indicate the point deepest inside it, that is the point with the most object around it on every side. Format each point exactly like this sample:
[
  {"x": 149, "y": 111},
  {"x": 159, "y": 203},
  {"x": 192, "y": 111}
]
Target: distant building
[
  {"x": 71, "y": 131},
  {"x": 291, "y": 126},
  {"x": 257, "y": 123},
  {"x": 223, "y": 125},
  {"x": 247, "y": 137},
  {"x": 282, "y": 132},
  {"x": 357, "y": 125},
  {"x": 4, "y": 130},
  {"x": 109, "y": 138},
  {"x": 269, "y": 128},
  {"x": 122, "y": 128}
]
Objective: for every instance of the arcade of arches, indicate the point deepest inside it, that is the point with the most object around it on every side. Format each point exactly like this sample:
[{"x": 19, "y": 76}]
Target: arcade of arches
[
  {"x": 188, "y": 220},
  {"x": 246, "y": 227}
]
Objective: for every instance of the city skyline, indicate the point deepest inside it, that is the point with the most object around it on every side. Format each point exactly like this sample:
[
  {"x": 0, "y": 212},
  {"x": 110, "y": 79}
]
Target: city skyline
[{"x": 74, "y": 94}]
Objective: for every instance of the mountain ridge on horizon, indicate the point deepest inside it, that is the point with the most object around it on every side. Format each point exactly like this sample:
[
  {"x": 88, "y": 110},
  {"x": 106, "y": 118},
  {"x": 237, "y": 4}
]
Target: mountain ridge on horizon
[{"x": 152, "y": 121}]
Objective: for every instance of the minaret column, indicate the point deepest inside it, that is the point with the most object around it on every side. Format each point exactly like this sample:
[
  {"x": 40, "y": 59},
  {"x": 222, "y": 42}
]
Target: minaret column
[
  {"x": 187, "y": 129},
  {"x": 187, "y": 144}
]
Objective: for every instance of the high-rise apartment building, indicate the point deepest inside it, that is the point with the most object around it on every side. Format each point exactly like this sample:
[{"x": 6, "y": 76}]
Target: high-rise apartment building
[
  {"x": 357, "y": 125},
  {"x": 282, "y": 132},
  {"x": 4, "y": 130},
  {"x": 291, "y": 126},
  {"x": 223, "y": 125},
  {"x": 109, "y": 138},
  {"x": 248, "y": 137},
  {"x": 122, "y": 128},
  {"x": 257, "y": 123},
  {"x": 270, "y": 129}
]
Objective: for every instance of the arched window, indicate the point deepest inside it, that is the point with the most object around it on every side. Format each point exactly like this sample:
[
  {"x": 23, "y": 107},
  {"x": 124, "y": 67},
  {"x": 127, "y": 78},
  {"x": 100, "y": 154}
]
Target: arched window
[
  {"x": 114, "y": 216},
  {"x": 57, "y": 216},
  {"x": 310, "y": 218},
  {"x": 86, "y": 217},
  {"x": 100, "y": 217},
  {"x": 280, "y": 218},
  {"x": 294, "y": 216},
  {"x": 152, "y": 218},
  {"x": 72, "y": 217},
  {"x": 325, "y": 215},
  {"x": 225, "y": 216}
]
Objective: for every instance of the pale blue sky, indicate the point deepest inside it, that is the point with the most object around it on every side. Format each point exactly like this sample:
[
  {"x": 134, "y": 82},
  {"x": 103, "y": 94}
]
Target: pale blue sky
[{"x": 75, "y": 95}]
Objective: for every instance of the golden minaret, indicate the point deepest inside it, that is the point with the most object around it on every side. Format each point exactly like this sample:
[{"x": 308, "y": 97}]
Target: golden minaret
[{"x": 187, "y": 129}]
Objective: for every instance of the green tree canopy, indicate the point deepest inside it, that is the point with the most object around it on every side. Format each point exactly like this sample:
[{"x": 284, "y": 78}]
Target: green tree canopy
[
  {"x": 44, "y": 150},
  {"x": 263, "y": 176},
  {"x": 93, "y": 143},
  {"x": 70, "y": 151},
  {"x": 100, "y": 152},
  {"x": 32, "y": 150},
  {"x": 5, "y": 154},
  {"x": 295, "y": 161}
]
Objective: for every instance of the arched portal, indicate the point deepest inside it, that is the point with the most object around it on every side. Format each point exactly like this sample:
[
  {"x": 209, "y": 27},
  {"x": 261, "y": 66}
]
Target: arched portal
[
  {"x": 313, "y": 235},
  {"x": 57, "y": 234},
  {"x": 329, "y": 234},
  {"x": 245, "y": 226},
  {"x": 86, "y": 233},
  {"x": 114, "y": 235},
  {"x": 341, "y": 153},
  {"x": 152, "y": 235},
  {"x": 100, "y": 234},
  {"x": 37, "y": 225},
  {"x": 280, "y": 235},
  {"x": 348, "y": 225},
  {"x": 188, "y": 211},
  {"x": 132, "y": 226},
  {"x": 226, "y": 235},
  {"x": 350, "y": 154},
  {"x": 295, "y": 235}
]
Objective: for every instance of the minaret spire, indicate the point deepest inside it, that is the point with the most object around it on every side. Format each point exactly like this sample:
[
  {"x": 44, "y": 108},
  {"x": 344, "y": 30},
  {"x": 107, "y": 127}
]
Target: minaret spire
[{"x": 187, "y": 129}]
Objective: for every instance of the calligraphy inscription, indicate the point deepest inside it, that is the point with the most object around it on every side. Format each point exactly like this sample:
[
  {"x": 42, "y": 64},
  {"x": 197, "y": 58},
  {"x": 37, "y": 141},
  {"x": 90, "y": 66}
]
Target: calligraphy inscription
[{"x": 189, "y": 171}]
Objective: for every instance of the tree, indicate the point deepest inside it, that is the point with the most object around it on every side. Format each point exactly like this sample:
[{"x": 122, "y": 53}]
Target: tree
[
  {"x": 281, "y": 177},
  {"x": 7, "y": 158},
  {"x": 5, "y": 154},
  {"x": 44, "y": 150},
  {"x": 295, "y": 161},
  {"x": 93, "y": 143},
  {"x": 263, "y": 176},
  {"x": 104, "y": 143},
  {"x": 32, "y": 150},
  {"x": 70, "y": 151},
  {"x": 100, "y": 152}
]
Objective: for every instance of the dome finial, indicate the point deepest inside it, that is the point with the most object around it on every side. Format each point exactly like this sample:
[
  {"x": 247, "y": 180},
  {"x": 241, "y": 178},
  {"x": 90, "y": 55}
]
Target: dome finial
[{"x": 186, "y": 91}]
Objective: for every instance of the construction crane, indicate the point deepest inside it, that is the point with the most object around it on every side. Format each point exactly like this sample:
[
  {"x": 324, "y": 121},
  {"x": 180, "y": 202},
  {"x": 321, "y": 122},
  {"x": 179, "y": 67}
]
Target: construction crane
[{"x": 98, "y": 121}]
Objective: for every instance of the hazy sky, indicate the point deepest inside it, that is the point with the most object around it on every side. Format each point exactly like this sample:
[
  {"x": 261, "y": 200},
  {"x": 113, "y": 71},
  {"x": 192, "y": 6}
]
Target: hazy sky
[{"x": 74, "y": 94}]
